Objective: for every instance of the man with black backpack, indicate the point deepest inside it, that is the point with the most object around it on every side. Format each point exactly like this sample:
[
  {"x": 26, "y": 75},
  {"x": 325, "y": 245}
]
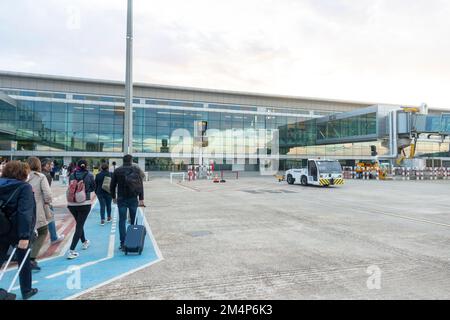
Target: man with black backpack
[{"x": 126, "y": 188}]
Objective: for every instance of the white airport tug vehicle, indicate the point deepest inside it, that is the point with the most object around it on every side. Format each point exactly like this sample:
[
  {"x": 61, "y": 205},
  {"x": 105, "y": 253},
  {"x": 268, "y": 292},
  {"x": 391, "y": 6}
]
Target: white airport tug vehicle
[{"x": 318, "y": 173}]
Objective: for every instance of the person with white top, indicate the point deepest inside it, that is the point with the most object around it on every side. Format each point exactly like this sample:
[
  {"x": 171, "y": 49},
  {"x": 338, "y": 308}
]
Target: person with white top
[{"x": 64, "y": 173}]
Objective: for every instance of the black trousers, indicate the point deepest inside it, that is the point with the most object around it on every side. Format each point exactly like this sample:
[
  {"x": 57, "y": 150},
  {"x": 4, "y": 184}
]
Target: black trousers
[
  {"x": 80, "y": 213},
  {"x": 25, "y": 274}
]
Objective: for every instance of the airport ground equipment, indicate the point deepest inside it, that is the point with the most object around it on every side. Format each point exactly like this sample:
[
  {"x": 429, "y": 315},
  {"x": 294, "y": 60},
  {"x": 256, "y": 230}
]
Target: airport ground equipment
[{"x": 318, "y": 172}]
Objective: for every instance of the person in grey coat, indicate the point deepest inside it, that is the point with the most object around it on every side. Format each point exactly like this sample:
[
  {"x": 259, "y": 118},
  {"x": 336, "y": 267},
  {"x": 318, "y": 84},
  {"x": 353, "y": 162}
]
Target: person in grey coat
[{"x": 43, "y": 198}]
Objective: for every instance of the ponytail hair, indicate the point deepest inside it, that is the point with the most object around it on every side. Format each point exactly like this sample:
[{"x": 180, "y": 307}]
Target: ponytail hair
[{"x": 82, "y": 164}]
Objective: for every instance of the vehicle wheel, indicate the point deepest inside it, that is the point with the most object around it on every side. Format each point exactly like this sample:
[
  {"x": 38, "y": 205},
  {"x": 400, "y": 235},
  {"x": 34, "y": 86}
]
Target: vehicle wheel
[
  {"x": 290, "y": 179},
  {"x": 304, "y": 181}
]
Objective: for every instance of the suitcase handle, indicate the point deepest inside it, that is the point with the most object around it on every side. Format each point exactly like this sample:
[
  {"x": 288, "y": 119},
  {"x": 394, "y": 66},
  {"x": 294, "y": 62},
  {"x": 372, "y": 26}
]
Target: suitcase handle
[
  {"x": 18, "y": 271},
  {"x": 136, "y": 217}
]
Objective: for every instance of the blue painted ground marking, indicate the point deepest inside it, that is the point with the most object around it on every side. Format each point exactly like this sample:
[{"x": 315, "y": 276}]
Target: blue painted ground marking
[{"x": 61, "y": 278}]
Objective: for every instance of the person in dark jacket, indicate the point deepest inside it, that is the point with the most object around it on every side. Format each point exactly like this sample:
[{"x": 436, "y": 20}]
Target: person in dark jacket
[
  {"x": 18, "y": 201},
  {"x": 81, "y": 210},
  {"x": 46, "y": 170},
  {"x": 124, "y": 197},
  {"x": 104, "y": 197},
  {"x": 47, "y": 165}
]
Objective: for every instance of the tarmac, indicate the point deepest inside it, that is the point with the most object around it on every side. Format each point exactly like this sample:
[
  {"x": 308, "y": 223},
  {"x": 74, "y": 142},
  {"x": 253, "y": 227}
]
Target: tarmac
[{"x": 257, "y": 238}]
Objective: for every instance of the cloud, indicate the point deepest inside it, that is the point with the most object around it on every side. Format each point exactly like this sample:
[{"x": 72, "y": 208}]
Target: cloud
[{"x": 383, "y": 51}]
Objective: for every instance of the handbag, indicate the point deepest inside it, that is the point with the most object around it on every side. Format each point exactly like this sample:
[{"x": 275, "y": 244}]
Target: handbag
[
  {"x": 48, "y": 213},
  {"x": 106, "y": 185}
]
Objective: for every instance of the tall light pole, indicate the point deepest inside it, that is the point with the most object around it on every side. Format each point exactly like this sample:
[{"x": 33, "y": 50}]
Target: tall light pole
[{"x": 128, "y": 121}]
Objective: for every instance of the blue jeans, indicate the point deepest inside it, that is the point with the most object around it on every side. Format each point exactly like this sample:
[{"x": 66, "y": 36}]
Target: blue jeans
[
  {"x": 52, "y": 231},
  {"x": 105, "y": 204},
  {"x": 123, "y": 204}
]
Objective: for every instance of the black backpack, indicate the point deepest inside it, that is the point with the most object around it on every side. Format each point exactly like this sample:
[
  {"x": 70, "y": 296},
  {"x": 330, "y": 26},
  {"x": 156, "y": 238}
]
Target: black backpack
[
  {"x": 6, "y": 223},
  {"x": 133, "y": 182}
]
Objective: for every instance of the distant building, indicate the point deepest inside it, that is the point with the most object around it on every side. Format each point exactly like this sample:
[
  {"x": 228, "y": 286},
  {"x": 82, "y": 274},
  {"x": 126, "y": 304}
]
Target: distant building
[{"x": 67, "y": 118}]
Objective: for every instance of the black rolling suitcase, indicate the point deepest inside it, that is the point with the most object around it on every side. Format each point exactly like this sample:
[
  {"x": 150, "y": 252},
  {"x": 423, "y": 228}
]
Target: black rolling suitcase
[{"x": 135, "y": 237}]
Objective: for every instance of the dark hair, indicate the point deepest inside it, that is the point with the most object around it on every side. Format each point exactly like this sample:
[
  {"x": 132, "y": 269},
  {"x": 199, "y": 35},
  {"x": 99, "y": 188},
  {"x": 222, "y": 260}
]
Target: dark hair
[
  {"x": 16, "y": 170},
  {"x": 82, "y": 164},
  {"x": 114, "y": 163},
  {"x": 46, "y": 161},
  {"x": 35, "y": 164},
  {"x": 104, "y": 166},
  {"x": 128, "y": 159}
]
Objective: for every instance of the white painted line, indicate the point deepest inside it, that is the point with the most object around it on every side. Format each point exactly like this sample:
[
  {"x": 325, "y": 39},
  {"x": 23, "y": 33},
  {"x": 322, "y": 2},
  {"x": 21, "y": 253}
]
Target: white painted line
[
  {"x": 18, "y": 287},
  {"x": 414, "y": 219},
  {"x": 150, "y": 234},
  {"x": 63, "y": 252},
  {"x": 87, "y": 264},
  {"x": 112, "y": 280},
  {"x": 58, "y": 198},
  {"x": 158, "y": 253},
  {"x": 110, "y": 255},
  {"x": 112, "y": 239},
  {"x": 67, "y": 246},
  {"x": 184, "y": 187}
]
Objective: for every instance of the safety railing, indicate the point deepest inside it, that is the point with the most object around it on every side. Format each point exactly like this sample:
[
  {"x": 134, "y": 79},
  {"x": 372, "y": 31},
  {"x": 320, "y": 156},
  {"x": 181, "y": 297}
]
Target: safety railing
[{"x": 397, "y": 173}]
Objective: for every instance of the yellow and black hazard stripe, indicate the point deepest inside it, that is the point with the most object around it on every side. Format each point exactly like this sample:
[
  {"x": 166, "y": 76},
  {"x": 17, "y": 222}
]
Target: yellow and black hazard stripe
[{"x": 327, "y": 182}]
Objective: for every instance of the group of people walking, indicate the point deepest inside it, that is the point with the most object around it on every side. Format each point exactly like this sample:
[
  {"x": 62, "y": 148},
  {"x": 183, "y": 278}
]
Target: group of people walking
[{"x": 26, "y": 202}]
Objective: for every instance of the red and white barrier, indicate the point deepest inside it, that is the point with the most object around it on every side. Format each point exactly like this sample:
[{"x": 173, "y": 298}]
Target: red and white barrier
[{"x": 401, "y": 173}]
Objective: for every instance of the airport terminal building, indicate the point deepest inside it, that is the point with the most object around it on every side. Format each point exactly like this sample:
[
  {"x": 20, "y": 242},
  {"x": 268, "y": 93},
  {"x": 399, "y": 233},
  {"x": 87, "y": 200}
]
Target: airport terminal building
[{"x": 69, "y": 118}]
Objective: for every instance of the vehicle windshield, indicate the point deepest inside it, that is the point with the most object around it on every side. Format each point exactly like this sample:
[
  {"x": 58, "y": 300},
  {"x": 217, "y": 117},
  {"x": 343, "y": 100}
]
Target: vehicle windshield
[{"x": 329, "y": 166}]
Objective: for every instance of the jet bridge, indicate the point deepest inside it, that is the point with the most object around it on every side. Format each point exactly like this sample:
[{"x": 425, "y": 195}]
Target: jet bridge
[{"x": 397, "y": 127}]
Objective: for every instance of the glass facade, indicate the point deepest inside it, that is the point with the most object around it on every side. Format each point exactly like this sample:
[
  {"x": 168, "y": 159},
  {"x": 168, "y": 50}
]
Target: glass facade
[
  {"x": 59, "y": 126},
  {"x": 351, "y": 127},
  {"x": 68, "y": 126},
  {"x": 46, "y": 121}
]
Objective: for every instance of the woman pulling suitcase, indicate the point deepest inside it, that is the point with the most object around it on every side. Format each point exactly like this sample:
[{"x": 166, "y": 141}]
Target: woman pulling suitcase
[{"x": 17, "y": 220}]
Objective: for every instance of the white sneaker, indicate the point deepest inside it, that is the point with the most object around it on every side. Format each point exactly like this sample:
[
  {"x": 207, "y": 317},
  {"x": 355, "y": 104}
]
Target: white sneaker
[
  {"x": 60, "y": 238},
  {"x": 72, "y": 254},
  {"x": 86, "y": 244}
]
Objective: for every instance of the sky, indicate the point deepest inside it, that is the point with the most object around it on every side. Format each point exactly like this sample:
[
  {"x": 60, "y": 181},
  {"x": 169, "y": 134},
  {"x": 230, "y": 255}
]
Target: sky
[{"x": 385, "y": 51}]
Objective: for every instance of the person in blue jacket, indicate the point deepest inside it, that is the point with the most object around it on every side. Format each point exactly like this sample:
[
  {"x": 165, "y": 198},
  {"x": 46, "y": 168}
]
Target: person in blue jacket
[
  {"x": 103, "y": 196},
  {"x": 17, "y": 202}
]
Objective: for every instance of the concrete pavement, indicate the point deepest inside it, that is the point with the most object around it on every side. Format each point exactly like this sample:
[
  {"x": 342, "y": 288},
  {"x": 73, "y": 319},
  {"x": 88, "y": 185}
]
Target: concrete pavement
[{"x": 255, "y": 238}]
